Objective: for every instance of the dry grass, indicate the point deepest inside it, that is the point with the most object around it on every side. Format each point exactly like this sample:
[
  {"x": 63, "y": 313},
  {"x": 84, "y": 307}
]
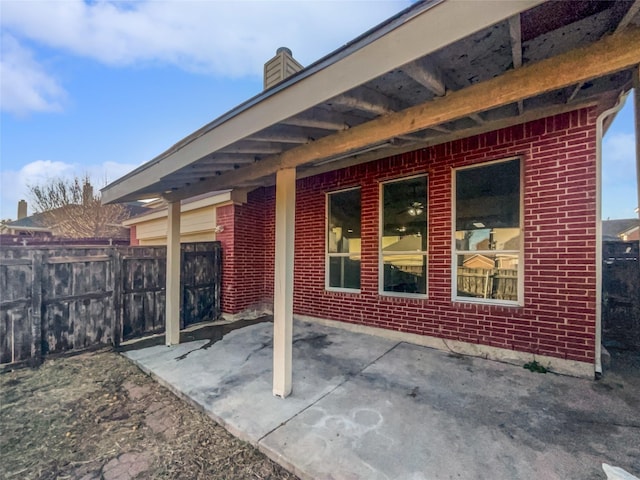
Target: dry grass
[{"x": 72, "y": 416}]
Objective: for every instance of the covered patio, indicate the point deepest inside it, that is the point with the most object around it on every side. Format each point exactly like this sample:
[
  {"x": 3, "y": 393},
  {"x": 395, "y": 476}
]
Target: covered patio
[
  {"x": 437, "y": 73},
  {"x": 377, "y": 408}
]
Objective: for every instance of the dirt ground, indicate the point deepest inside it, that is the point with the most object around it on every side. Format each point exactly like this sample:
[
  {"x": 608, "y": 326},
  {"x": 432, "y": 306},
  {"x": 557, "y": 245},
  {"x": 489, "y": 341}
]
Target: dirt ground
[{"x": 96, "y": 416}]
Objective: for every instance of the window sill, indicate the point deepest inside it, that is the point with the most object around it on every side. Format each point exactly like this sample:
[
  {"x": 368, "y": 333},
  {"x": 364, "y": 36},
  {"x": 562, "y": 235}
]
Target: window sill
[
  {"x": 488, "y": 302},
  {"x": 342, "y": 290},
  {"x": 416, "y": 296}
]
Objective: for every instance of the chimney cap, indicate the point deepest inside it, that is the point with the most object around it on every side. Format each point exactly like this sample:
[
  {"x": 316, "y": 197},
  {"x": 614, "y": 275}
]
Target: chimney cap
[{"x": 285, "y": 50}]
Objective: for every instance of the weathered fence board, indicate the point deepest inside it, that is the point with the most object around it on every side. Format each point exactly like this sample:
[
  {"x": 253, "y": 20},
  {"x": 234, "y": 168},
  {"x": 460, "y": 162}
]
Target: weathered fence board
[
  {"x": 61, "y": 298},
  {"x": 143, "y": 284},
  {"x": 621, "y": 295},
  {"x": 201, "y": 283}
]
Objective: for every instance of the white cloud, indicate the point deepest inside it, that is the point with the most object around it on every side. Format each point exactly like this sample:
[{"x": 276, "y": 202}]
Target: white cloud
[
  {"x": 25, "y": 86},
  {"x": 14, "y": 185},
  {"x": 229, "y": 38},
  {"x": 223, "y": 38}
]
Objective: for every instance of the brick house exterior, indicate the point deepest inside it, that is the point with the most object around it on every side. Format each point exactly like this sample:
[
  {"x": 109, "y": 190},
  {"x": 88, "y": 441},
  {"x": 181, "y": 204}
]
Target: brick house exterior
[
  {"x": 482, "y": 121},
  {"x": 558, "y": 315}
]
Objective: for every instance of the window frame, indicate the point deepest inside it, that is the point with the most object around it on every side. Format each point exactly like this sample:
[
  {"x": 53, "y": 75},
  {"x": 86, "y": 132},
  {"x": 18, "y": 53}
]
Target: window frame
[
  {"x": 328, "y": 255},
  {"x": 425, "y": 253},
  {"x": 454, "y": 252}
]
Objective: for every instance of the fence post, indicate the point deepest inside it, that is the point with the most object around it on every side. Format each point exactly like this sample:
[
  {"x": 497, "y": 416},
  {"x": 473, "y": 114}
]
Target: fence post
[
  {"x": 36, "y": 308},
  {"x": 217, "y": 273},
  {"x": 116, "y": 261},
  {"x": 182, "y": 284}
]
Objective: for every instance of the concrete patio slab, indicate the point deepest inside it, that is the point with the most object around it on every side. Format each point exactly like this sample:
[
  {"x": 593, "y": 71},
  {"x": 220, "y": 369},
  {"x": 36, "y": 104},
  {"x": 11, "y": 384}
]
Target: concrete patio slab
[
  {"x": 367, "y": 407},
  {"x": 232, "y": 378}
]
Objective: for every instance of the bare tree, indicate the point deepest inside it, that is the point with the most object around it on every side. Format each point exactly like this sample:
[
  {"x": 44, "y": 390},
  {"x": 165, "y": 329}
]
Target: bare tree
[{"x": 71, "y": 209}]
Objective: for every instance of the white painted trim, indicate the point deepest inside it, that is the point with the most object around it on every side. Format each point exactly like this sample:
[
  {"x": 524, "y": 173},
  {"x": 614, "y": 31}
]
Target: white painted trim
[
  {"x": 454, "y": 260},
  {"x": 513, "y": 357},
  {"x": 217, "y": 200}
]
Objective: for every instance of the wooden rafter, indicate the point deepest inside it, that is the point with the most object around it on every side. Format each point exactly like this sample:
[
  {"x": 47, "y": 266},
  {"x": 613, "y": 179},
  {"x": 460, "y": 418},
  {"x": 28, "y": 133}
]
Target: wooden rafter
[
  {"x": 476, "y": 117},
  {"x": 628, "y": 17},
  {"x": 321, "y": 119},
  {"x": 218, "y": 158},
  {"x": 429, "y": 77},
  {"x": 440, "y": 128},
  {"x": 489, "y": 126},
  {"x": 609, "y": 55},
  {"x": 255, "y": 148},
  {"x": 575, "y": 92},
  {"x": 515, "y": 34},
  {"x": 281, "y": 135},
  {"x": 368, "y": 100}
]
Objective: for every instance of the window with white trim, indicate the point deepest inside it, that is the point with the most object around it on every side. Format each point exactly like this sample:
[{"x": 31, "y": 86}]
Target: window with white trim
[
  {"x": 403, "y": 237},
  {"x": 343, "y": 240},
  {"x": 488, "y": 233}
]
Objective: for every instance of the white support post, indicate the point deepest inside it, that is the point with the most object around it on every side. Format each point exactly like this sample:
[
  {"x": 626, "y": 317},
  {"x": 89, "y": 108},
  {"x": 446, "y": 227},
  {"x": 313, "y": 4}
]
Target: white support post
[
  {"x": 283, "y": 282},
  {"x": 172, "y": 314},
  {"x": 636, "y": 103}
]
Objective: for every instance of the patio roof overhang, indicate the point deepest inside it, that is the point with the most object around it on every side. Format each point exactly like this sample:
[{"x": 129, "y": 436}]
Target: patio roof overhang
[{"x": 437, "y": 71}]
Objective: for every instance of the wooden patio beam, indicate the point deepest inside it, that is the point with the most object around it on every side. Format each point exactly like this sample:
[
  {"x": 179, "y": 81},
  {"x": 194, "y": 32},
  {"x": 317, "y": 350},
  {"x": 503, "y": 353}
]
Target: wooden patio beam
[
  {"x": 515, "y": 34},
  {"x": 609, "y": 55}
]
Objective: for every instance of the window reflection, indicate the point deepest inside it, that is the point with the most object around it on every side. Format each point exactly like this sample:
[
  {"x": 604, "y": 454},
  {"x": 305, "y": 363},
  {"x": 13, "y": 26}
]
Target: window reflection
[
  {"x": 343, "y": 239},
  {"x": 488, "y": 234},
  {"x": 404, "y": 236}
]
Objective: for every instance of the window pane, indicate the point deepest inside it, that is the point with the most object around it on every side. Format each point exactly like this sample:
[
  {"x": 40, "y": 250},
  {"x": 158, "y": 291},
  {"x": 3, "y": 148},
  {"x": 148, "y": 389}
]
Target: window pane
[
  {"x": 488, "y": 239},
  {"x": 404, "y": 224},
  {"x": 405, "y": 273},
  {"x": 488, "y": 197},
  {"x": 343, "y": 234},
  {"x": 344, "y": 272},
  {"x": 492, "y": 276}
]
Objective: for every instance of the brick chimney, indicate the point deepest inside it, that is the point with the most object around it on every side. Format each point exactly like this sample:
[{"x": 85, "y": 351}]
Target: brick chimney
[
  {"x": 22, "y": 209},
  {"x": 281, "y": 66}
]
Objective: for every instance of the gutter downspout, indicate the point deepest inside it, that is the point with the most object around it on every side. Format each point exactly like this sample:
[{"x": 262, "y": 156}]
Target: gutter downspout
[{"x": 599, "y": 134}]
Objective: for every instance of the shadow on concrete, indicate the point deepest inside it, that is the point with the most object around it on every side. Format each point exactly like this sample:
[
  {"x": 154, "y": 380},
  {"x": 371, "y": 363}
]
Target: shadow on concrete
[{"x": 211, "y": 332}]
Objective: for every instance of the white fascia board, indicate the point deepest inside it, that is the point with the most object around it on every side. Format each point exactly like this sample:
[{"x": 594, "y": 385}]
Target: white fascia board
[
  {"x": 218, "y": 200},
  {"x": 428, "y": 31}
]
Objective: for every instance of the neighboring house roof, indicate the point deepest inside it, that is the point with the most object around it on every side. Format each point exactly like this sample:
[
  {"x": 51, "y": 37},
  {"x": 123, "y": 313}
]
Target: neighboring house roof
[
  {"x": 615, "y": 229},
  {"x": 36, "y": 222},
  {"x": 32, "y": 223},
  {"x": 424, "y": 77},
  {"x": 27, "y": 222},
  {"x": 479, "y": 261}
]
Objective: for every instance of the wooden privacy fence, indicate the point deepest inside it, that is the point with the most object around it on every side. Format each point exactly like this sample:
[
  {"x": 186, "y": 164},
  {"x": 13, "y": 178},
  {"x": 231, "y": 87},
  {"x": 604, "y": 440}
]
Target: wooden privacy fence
[
  {"x": 621, "y": 295},
  {"x": 61, "y": 298},
  {"x": 496, "y": 283}
]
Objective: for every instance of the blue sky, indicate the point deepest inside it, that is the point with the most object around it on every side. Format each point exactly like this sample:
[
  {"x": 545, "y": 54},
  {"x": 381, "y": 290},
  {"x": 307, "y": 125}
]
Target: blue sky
[{"x": 100, "y": 87}]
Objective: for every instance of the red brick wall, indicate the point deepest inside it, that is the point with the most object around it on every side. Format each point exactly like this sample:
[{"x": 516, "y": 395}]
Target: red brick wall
[
  {"x": 133, "y": 236},
  {"x": 558, "y": 316},
  {"x": 243, "y": 254}
]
